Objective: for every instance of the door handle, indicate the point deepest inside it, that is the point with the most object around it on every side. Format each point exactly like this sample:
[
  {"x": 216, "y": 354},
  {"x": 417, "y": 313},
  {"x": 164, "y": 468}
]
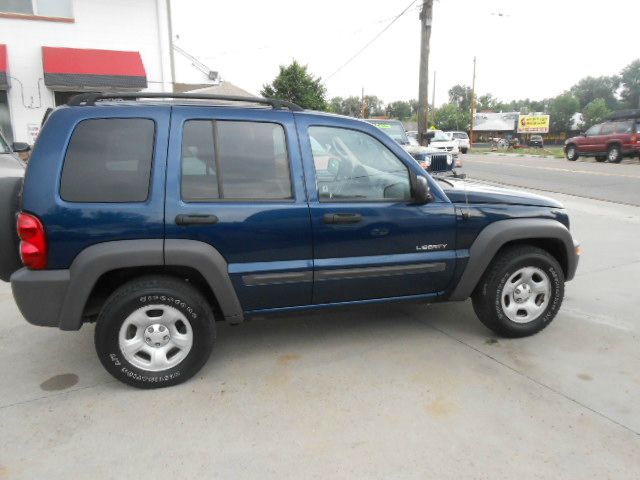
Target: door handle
[
  {"x": 333, "y": 218},
  {"x": 196, "y": 219}
]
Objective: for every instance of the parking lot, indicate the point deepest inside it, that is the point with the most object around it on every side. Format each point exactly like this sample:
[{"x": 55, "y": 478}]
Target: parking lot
[{"x": 394, "y": 391}]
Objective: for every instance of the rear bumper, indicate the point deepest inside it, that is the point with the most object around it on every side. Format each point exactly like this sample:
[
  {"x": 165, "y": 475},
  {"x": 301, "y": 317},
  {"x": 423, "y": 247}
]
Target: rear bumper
[{"x": 40, "y": 295}]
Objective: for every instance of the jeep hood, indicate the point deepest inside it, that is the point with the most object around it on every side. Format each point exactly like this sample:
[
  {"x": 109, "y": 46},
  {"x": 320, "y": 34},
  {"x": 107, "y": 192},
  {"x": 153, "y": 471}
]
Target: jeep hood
[
  {"x": 418, "y": 149},
  {"x": 463, "y": 192}
]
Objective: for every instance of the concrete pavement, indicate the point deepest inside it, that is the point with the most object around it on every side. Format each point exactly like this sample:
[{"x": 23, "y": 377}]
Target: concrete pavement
[{"x": 395, "y": 391}]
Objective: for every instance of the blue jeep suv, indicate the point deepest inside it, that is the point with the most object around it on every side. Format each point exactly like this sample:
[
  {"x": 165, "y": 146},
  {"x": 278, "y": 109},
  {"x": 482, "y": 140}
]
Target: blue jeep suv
[{"x": 154, "y": 217}]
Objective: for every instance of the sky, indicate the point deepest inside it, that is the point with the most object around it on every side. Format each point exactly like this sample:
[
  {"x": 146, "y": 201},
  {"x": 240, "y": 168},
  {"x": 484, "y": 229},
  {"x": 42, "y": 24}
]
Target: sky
[{"x": 524, "y": 49}]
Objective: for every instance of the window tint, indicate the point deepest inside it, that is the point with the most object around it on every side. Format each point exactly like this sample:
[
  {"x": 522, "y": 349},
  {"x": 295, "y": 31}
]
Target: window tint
[
  {"x": 625, "y": 126},
  {"x": 607, "y": 128},
  {"x": 234, "y": 160},
  {"x": 595, "y": 130},
  {"x": 352, "y": 165},
  {"x": 109, "y": 160}
]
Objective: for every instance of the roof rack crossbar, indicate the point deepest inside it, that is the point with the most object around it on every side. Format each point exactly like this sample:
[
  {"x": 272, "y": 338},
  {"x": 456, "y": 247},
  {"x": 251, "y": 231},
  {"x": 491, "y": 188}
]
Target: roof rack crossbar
[{"x": 88, "y": 99}]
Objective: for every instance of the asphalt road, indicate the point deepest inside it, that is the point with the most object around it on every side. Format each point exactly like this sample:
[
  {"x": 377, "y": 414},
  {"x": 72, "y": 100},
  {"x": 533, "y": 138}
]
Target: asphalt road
[
  {"x": 393, "y": 391},
  {"x": 586, "y": 178}
]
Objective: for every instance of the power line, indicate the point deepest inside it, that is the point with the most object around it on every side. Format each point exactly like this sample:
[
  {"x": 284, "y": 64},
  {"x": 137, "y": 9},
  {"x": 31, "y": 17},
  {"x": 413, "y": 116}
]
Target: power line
[{"x": 373, "y": 39}]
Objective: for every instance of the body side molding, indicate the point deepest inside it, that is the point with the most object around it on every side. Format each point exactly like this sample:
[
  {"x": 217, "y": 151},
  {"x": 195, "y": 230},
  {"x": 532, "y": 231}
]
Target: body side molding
[{"x": 497, "y": 234}]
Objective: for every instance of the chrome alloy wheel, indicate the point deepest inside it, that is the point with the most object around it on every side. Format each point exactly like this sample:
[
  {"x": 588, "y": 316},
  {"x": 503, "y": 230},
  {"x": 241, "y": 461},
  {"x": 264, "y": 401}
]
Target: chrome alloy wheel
[
  {"x": 526, "y": 295},
  {"x": 155, "y": 337}
]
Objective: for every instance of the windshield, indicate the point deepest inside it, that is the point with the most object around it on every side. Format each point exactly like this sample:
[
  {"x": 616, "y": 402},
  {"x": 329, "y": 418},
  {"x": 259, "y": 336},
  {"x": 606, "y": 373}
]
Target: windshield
[
  {"x": 394, "y": 129},
  {"x": 440, "y": 136},
  {"x": 4, "y": 146}
]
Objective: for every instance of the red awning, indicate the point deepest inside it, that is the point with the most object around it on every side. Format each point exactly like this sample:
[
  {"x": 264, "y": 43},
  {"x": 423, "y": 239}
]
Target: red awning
[
  {"x": 4, "y": 67},
  {"x": 83, "y": 69}
]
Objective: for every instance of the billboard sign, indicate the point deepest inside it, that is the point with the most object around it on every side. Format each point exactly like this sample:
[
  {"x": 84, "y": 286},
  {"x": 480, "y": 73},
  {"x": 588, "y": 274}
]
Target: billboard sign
[{"x": 533, "y": 124}]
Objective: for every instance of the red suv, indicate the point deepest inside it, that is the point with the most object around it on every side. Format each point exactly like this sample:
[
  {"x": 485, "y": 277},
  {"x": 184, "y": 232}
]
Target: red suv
[{"x": 612, "y": 140}]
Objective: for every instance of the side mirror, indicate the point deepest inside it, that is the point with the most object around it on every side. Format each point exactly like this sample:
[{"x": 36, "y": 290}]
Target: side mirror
[
  {"x": 20, "y": 147},
  {"x": 420, "y": 191}
]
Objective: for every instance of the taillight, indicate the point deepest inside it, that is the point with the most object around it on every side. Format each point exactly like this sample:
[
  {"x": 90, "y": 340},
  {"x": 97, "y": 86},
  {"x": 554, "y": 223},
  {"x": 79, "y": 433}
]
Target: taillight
[{"x": 33, "y": 241}]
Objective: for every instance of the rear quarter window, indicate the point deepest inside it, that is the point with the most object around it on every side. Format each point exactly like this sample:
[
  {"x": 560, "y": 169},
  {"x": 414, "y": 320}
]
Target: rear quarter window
[{"x": 108, "y": 160}]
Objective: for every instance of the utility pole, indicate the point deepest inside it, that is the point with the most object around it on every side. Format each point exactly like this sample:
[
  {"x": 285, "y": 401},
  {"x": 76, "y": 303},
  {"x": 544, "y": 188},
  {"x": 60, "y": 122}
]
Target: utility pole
[
  {"x": 433, "y": 95},
  {"x": 364, "y": 103},
  {"x": 473, "y": 100},
  {"x": 426, "y": 15},
  {"x": 171, "y": 57}
]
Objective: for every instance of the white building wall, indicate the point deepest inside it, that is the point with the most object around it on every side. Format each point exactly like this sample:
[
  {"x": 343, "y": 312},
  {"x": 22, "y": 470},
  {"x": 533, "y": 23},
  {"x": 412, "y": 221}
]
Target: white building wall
[{"x": 133, "y": 25}]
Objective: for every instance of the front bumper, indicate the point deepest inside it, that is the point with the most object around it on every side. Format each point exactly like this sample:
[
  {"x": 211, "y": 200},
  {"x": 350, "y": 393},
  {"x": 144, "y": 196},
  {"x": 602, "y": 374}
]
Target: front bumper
[{"x": 40, "y": 295}]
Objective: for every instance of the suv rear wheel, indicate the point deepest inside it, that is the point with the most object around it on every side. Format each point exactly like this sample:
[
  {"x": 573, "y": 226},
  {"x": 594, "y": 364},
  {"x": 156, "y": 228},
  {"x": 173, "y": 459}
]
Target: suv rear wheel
[
  {"x": 614, "y": 154},
  {"x": 520, "y": 293},
  {"x": 572, "y": 153},
  {"x": 154, "y": 332}
]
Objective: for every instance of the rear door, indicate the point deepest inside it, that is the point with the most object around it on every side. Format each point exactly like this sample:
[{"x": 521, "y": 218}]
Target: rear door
[
  {"x": 370, "y": 240},
  {"x": 235, "y": 182}
]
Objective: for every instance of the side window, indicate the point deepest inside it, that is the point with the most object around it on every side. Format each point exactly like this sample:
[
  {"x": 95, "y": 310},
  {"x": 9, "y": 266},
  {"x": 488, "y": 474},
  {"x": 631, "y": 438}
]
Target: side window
[
  {"x": 595, "y": 130},
  {"x": 109, "y": 160},
  {"x": 352, "y": 165},
  {"x": 234, "y": 161},
  {"x": 607, "y": 128},
  {"x": 625, "y": 126}
]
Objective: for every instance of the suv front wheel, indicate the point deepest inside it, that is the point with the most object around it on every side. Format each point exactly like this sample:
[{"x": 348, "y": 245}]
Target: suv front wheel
[
  {"x": 572, "y": 153},
  {"x": 520, "y": 293},
  {"x": 154, "y": 331}
]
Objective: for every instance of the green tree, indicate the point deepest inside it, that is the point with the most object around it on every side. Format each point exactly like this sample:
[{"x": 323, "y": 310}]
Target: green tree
[
  {"x": 399, "y": 109},
  {"x": 595, "y": 112},
  {"x": 374, "y": 106},
  {"x": 336, "y": 105},
  {"x": 562, "y": 108},
  {"x": 460, "y": 95},
  {"x": 451, "y": 117},
  {"x": 630, "y": 81},
  {"x": 486, "y": 103},
  {"x": 296, "y": 84},
  {"x": 591, "y": 88},
  {"x": 414, "y": 106}
]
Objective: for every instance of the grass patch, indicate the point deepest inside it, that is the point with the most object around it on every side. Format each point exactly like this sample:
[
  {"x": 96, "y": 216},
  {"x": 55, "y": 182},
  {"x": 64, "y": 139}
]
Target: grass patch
[{"x": 556, "y": 152}]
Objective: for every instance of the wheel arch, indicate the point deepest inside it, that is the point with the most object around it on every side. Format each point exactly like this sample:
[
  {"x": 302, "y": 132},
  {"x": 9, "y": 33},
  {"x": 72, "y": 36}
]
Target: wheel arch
[
  {"x": 96, "y": 270},
  {"x": 547, "y": 234}
]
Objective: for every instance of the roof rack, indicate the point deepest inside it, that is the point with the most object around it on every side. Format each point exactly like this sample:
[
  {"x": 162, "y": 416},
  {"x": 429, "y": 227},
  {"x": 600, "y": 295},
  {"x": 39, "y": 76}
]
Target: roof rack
[{"x": 88, "y": 99}]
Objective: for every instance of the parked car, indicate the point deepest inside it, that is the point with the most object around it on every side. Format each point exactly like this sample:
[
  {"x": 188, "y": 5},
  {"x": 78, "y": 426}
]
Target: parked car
[
  {"x": 444, "y": 143},
  {"x": 429, "y": 158},
  {"x": 155, "y": 219},
  {"x": 611, "y": 140},
  {"x": 462, "y": 139},
  {"x": 11, "y": 174},
  {"x": 536, "y": 141}
]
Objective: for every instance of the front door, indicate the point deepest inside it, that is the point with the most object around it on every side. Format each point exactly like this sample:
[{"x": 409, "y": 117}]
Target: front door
[
  {"x": 234, "y": 180},
  {"x": 370, "y": 240}
]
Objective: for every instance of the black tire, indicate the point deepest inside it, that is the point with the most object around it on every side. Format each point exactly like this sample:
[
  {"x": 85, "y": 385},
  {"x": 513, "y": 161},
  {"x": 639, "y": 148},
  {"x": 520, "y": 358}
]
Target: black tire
[
  {"x": 614, "y": 154},
  {"x": 571, "y": 152},
  {"x": 463, "y": 150},
  {"x": 9, "y": 205},
  {"x": 154, "y": 290},
  {"x": 487, "y": 297},
  {"x": 601, "y": 158}
]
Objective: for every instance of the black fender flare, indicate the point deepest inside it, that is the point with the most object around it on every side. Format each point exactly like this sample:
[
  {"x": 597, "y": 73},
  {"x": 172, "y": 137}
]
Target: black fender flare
[
  {"x": 499, "y": 233},
  {"x": 96, "y": 260},
  {"x": 212, "y": 266}
]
